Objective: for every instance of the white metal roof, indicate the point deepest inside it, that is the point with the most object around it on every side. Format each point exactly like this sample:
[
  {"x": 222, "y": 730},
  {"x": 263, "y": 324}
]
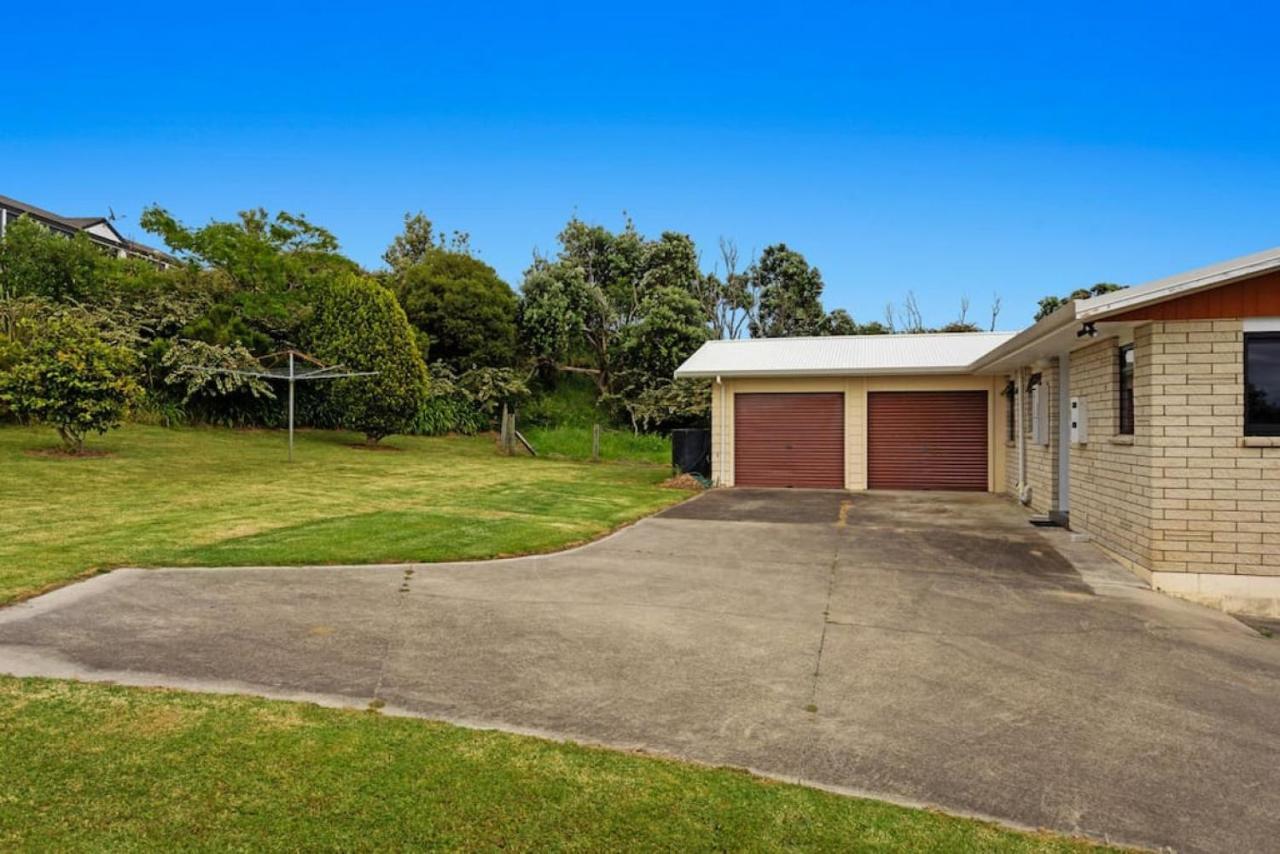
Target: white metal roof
[{"x": 842, "y": 355}]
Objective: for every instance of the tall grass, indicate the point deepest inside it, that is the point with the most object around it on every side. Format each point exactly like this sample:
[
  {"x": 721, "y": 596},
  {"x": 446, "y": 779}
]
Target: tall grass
[{"x": 574, "y": 443}]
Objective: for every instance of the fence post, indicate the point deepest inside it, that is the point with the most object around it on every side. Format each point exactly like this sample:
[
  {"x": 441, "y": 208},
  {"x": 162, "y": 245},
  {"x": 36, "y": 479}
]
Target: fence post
[{"x": 595, "y": 443}]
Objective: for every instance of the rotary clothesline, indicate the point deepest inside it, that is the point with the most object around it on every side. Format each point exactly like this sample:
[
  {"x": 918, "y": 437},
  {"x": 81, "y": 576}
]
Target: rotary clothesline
[{"x": 314, "y": 369}]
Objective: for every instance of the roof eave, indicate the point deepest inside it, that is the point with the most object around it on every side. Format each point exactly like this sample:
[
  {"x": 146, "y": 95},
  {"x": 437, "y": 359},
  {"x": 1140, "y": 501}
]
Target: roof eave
[{"x": 811, "y": 372}]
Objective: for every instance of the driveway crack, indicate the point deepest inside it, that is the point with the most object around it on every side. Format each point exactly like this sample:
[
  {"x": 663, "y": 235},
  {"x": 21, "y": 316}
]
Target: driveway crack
[
  {"x": 395, "y": 636},
  {"x": 826, "y": 615}
]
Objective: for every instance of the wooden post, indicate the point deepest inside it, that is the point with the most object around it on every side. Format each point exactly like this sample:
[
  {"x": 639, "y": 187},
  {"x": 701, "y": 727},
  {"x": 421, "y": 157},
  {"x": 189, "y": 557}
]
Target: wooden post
[
  {"x": 503, "y": 441},
  {"x": 595, "y": 443}
]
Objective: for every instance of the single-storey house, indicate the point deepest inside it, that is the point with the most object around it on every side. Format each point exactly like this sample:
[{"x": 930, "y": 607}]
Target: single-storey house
[{"x": 1147, "y": 419}]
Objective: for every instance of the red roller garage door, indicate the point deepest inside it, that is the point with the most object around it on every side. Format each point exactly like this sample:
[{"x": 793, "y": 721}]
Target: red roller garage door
[
  {"x": 789, "y": 440},
  {"x": 927, "y": 440}
]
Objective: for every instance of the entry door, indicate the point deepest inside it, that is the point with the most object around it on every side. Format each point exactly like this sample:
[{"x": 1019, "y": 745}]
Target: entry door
[
  {"x": 927, "y": 440},
  {"x": 789, "y": 440}
]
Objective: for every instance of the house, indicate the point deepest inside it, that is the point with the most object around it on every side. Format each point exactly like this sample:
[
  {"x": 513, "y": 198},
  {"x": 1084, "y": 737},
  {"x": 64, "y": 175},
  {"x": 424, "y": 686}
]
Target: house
[
  {"x": 97, "y": 228},
  {"x": 1147, "y": 419}
]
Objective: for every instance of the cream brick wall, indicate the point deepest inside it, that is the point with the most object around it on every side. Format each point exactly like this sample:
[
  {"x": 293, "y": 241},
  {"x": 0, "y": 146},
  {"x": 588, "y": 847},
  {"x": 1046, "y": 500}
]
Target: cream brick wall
[
  {"x": 1216, "y": 505},
  {"x": 1184, "y": 504},
  {"x": 1110, "y": 476},
  {"x": 1042, "y": 460}
]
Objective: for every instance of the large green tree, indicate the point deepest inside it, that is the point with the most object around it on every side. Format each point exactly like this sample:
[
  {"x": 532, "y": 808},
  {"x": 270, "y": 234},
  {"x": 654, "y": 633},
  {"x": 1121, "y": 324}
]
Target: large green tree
[
  {"x": 465, "y": 310},
  {"x": 358, "y": 323},
  {"x": 577, "y": 308},
  {"x": 789, "y": 294}
]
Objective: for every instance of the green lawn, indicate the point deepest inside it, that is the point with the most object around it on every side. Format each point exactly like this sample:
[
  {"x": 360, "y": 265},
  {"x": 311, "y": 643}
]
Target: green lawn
[
  {"x": 574, "y": 443},
  {"x": 92, "y": 767},
  {"x": 208, "y": 496}
]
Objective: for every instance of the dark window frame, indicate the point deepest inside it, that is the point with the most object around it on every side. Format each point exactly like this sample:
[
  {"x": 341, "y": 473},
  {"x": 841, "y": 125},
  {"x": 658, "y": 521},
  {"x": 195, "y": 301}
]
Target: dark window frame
[
  {"x": 1251, "y": 428},
  {"x": 1124, "y": 391}
]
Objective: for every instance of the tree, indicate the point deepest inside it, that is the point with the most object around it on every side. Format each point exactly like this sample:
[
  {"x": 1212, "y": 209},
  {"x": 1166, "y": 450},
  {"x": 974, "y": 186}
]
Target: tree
[
  {"x": 732, "y": 298},
  {"x": 68, "y": 377},
  {"x": 546, "y": 314},
  {"x": 359, "y": 324},
  {"x": 840, "y": 322},
  {"x": 1048, "y": 305},
  {"x": 467, "y": 312},
  {"x": 263, "y": 270},
  {"x": 418, "y": 240},
  {"x": 670, "y": 328},
  {"x": 35, "y": 261},
  {"x": 790, "y": 294}
]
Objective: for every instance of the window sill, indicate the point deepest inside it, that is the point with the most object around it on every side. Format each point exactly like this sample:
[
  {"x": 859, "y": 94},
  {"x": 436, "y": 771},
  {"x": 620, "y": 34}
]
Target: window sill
[
  {"x": 1009, "y": 444},
  {"x": 1121, "y": 439},
  {"x": 1259, "y": 442}
]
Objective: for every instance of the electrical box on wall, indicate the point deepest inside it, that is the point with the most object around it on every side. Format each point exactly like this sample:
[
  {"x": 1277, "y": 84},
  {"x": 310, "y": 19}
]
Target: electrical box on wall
[{"x": 1079, "y": 421}]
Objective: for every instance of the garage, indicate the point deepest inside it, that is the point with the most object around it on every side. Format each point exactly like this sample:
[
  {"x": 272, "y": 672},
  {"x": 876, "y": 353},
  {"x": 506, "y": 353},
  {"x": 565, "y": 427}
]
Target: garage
[
  {"x": 789, "y": 440},
  {"x": 927, "y": 440}
]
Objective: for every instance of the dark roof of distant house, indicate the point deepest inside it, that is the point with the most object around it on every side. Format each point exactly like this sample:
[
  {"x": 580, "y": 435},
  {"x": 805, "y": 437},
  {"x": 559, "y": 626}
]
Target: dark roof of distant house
[{"x": 80, "y": 223}]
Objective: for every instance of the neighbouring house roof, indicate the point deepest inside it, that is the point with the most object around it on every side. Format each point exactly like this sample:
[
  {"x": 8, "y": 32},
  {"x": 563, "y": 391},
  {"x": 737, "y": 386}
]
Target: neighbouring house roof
[
  {"x": 1057, "y": 333},
  {"x": 86, "y": 224},
  {"x": 842, "y": 355}
]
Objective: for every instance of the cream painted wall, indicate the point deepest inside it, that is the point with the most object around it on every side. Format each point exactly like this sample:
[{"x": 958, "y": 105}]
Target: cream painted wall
[{"x": 855, "y": 391}]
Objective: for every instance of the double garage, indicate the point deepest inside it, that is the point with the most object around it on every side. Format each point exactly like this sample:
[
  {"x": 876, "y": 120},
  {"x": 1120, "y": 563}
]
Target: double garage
[
  {"x": 904, "y": 439},
  {"x": 855, "y": 412}
]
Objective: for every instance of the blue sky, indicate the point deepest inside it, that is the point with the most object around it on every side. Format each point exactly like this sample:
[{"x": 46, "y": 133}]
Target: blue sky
[{"x": 942, "y": 148}]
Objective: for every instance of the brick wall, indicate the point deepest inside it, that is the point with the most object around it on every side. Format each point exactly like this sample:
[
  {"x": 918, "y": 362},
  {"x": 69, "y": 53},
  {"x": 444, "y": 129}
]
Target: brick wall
[
  {"x": 1110, "y": 477},
  {"x": 1042, "y": 460},
  {"x": 1184, "y": 497},
  {"x": 1216, "y": 505}
]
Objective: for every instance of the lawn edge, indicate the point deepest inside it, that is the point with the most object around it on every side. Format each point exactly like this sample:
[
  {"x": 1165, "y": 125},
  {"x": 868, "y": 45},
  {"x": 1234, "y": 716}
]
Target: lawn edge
[
  {"x": 563, "y": 548},
  {"x": 136, "y": 681}
]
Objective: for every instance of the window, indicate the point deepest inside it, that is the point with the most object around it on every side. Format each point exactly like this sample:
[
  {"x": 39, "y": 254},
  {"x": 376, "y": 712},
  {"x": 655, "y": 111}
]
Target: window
[
  {"x": 1039, "y": 420},
  {"x": 1010, "y": 412},
  {"x": 1262, "y": 384},
  {"x": 1126, "y": 391}
]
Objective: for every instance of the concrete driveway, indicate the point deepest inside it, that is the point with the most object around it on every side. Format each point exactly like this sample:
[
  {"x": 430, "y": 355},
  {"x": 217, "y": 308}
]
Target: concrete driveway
[{"x": 922, "y": 648}]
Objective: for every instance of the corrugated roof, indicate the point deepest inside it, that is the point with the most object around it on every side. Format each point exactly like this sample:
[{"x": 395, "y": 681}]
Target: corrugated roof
[{"x": 842, "y": 355}]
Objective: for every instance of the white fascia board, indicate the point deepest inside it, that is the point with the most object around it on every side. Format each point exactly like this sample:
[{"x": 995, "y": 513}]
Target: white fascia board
[{"x": 808, "y": 372}]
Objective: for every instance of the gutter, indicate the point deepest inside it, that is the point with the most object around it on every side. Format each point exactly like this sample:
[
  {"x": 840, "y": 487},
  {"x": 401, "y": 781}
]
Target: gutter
[{"x": 1063, "y": 317}]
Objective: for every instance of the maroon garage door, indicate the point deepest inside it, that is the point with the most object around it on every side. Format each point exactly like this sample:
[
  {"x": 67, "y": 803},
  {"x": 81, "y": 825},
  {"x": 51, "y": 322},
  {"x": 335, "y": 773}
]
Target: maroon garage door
[
  {"x": 927, "y": 440},
  {"x": 789, "y": 440}
]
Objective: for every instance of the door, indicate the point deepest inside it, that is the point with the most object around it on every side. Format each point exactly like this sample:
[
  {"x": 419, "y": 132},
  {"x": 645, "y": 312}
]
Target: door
[
  {"x": 927, "y": 440},
  {"x": 794, "y": 440}
]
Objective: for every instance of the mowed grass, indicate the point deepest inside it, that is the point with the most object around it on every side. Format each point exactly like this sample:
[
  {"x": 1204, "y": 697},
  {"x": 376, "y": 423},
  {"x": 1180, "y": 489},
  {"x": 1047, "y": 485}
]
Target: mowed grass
[
  {"x": 574, "y": 443},
  {"x": 209, "y": 496},
  {"x": 94, "y": 767}
]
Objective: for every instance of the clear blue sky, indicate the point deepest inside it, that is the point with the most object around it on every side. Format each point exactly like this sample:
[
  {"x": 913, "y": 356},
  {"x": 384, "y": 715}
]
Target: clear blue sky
[{"x": 943, "y": 148}]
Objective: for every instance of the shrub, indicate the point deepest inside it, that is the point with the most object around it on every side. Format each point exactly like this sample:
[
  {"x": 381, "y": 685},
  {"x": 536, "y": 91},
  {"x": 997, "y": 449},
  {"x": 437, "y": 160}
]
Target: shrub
[
  {"x": 359, "y": 324},
  {"x": 71, "y": 379},
  {"x": 467, "y": 312}
]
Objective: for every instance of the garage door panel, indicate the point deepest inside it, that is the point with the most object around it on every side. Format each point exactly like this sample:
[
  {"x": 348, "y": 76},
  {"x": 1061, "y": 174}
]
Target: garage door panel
[
  {"x": 789, "y": 440},
  {"x": 927, "y": 440}
]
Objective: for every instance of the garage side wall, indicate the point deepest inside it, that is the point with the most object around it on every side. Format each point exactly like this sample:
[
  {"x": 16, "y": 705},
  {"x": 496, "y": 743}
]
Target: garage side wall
[{"x": 855, "y": 391}]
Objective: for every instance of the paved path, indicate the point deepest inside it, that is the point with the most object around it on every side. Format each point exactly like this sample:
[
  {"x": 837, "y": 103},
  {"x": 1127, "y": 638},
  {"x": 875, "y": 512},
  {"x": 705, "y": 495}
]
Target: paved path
[{"x": 923, "y": 648}]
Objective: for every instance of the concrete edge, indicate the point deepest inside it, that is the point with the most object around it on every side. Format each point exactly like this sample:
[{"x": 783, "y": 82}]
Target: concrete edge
[
  {"x": 91, "y": 584},
  {"x": 22, "y": 662}
]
